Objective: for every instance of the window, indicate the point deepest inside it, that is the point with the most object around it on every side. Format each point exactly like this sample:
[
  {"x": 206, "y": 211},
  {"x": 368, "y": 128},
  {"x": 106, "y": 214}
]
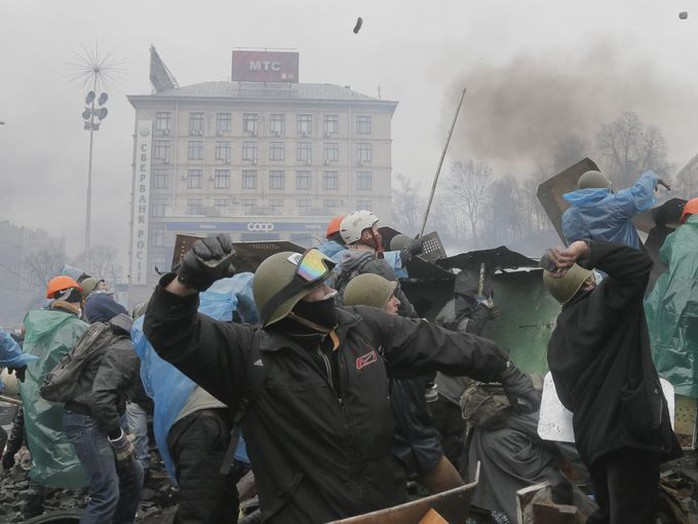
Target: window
[
  {"x": 223, "y": 151},
  {"x": 277, "y": 206},
  {"x": 330, "y": 125},
  {"x": 196, "y": 150},
  {"x": 221, "y": 205},
  {"x": 364, "y": 204},
  {"x": 249, "y": 123},
  {"x": 161, "y": 151},
  {"x": 157, "y": 237},
  {"x": 303, "y": 180},
  {"x": 224, "y": 123},
  {"x": 249, "y": 205},
  {"x": 330, "y": 180},
  {"x": 304, "y": 152},
  {"x": 276, "y": 179},
  {"x": 277, "y": 125},
  {"x": 249, "y": 179},
  {"x": 195, "y": 206},
  {"x": 277, "y": 151},
  {"x": 163, "y": 120},
  {"x": 363, "y": 153},
  {"x": 364, "y": 180},
  {"x": 249, "y": 152},
  {"x": 194, "y": 178},
  {"x": 303, "y": 203},
  {"x": 363, "y": 124},
  {"x": 161, "y": 178},
  {"x": 221, "y": 179},
  {"x": 331, "y": 152},
  {"x": 157, "y": 207},
  {"x": 196, "y": 123},
  {"x": 330, "y": 203},
  {"x": 304, "y": 124}
]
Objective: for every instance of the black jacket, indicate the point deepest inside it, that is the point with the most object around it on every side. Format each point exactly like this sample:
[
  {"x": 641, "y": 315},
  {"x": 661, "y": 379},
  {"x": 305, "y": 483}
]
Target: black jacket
[
  {"x": 109, "y": 378},
  {"x": 320, "y": 450},
  {"x": 599, "y": 356}
]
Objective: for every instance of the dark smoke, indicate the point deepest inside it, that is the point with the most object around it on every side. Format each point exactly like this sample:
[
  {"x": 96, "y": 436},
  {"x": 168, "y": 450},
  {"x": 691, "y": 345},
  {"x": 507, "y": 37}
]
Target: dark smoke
[{"x": 521, "y": 111}]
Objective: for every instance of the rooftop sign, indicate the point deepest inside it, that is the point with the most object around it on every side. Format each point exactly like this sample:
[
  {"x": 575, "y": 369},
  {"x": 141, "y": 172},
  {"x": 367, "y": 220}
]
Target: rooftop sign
[{"x": 265, "y": 66}]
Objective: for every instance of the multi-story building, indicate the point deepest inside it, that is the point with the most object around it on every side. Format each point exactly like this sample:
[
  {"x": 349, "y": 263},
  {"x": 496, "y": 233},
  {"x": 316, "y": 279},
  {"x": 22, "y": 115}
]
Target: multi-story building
[{"x": 258, "y": 160}]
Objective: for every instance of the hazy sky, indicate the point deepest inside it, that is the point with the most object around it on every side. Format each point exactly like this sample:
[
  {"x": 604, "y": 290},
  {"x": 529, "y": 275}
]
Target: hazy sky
[{"x": 533, "y": 69}]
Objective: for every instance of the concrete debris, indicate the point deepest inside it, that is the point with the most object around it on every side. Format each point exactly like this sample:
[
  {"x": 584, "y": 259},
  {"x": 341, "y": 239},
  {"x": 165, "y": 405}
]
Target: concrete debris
[{"x": 158, "y": 502}]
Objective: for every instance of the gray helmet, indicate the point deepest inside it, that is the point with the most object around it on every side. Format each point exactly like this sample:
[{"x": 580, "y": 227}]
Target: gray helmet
[
  {"x": 593, "y": 179},
  {"x": 273, "y": 277},
  {"x": 369, "y": 289},
  {"x": 354, "y": 224},
  {"x": 564, "y": 288}
]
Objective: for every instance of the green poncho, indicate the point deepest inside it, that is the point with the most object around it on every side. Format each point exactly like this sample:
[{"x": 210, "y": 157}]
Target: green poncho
[
  {"x": 50, "y": 334},
  {"x": 672, "y": 311}
]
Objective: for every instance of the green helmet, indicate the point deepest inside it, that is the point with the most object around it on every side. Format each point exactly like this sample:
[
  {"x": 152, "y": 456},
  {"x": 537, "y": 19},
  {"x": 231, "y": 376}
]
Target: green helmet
[
  {"x": 369, "y": 289},
  {"x": 564, "y": 288},
  {"x": 273, "y": 276},
  {"x": 399, "y": 241},
  {"x": 593, "y": 179}
]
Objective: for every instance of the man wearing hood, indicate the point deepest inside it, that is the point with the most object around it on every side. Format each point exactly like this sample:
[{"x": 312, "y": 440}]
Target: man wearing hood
[
  {"x": 598, "y": 213},
  {"x": 319, "y": 432}
]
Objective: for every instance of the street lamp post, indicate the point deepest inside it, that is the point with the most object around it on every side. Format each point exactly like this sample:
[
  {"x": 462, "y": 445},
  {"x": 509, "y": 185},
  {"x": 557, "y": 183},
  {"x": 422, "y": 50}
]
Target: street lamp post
[{"x": 92, "y": 116}]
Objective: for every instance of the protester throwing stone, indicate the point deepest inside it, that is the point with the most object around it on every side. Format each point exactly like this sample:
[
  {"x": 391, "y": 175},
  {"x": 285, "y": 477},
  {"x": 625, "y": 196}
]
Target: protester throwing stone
[{"x": 319, "y": 432}]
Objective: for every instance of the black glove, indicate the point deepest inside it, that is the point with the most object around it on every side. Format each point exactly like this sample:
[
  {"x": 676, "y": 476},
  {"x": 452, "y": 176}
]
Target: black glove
[
  {"x": 208, "y": 260},
  {"x": 8, "y": 460},
  {"x": 413, "y": 247},
  {"x": 19, "y": 372},
  {"x": 123, "y": 448},
  {"x": 518, "y": 386}
]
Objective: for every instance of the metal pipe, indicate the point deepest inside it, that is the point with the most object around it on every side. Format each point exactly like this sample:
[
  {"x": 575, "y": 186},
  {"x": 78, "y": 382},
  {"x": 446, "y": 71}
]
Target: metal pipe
[{"x": 441, "y": 161}]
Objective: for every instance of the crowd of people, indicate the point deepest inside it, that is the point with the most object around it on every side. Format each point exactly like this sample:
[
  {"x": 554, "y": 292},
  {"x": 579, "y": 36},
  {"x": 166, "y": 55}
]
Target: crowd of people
[{"x": 318, "y": 373}]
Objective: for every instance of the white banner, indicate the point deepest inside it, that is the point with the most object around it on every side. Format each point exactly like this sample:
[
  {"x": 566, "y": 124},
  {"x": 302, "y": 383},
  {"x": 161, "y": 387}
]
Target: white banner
[{"x": 141, "y": 204}]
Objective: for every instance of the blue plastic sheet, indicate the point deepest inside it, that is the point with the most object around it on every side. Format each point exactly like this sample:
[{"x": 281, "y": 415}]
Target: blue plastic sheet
[
  {"x": 166, "y": 385},
  {"x": 600, "y": 214}
]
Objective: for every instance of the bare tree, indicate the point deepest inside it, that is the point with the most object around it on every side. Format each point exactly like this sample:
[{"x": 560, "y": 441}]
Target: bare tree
[
  {"x": 469, "y": 183},
  {"x": 630, "y": 147},
  {"x": 102, "y": 263},
  {"x": 407, "y": 205},
  {"x": 44, "y": 264}
]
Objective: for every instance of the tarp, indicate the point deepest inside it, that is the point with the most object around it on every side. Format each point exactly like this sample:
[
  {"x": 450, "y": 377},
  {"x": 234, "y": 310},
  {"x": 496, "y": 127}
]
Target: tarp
[
  {"x": 50, "y": 334},
  {"x": 166, "y": 385},
  {"x": 672, "y": 311}
]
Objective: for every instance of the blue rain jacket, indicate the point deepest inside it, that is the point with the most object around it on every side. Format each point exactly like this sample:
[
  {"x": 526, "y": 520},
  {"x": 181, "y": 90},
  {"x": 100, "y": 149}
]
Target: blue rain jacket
[{"x": 599, "y": 214}]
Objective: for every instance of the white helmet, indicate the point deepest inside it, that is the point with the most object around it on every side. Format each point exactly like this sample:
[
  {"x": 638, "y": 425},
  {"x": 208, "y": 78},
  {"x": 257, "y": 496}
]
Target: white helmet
[{"x": 354, "y": 224}]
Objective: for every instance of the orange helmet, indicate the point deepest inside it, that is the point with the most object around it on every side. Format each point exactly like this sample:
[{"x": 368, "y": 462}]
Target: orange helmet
[
  {"x": 333, "y": 226},
  {"x": 689, "y": 208},
  {"x": 60, "y": 283}
]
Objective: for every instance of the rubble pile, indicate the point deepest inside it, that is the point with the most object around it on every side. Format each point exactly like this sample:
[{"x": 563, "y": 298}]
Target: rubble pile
[{"x": 158, "y": 502}]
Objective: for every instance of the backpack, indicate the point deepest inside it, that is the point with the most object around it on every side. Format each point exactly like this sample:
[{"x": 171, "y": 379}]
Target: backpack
[
  {"x": 61, "y": 383},
  {"x": 485, "y": 405}
]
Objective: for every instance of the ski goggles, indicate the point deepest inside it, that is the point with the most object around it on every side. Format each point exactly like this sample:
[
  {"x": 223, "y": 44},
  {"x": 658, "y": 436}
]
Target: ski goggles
[{"x": 312, "y": 267}]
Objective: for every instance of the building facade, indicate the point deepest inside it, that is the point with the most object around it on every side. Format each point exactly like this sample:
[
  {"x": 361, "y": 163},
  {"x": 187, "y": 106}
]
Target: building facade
[{"x": 260, "y": 161}]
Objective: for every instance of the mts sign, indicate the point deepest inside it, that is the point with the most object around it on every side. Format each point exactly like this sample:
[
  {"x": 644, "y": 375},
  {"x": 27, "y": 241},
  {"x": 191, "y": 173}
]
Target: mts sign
[{"x": 265, "y": 66}]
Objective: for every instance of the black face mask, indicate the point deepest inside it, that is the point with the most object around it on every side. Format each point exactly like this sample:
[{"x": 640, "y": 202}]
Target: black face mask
[{"x": 321, "y": 312}]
